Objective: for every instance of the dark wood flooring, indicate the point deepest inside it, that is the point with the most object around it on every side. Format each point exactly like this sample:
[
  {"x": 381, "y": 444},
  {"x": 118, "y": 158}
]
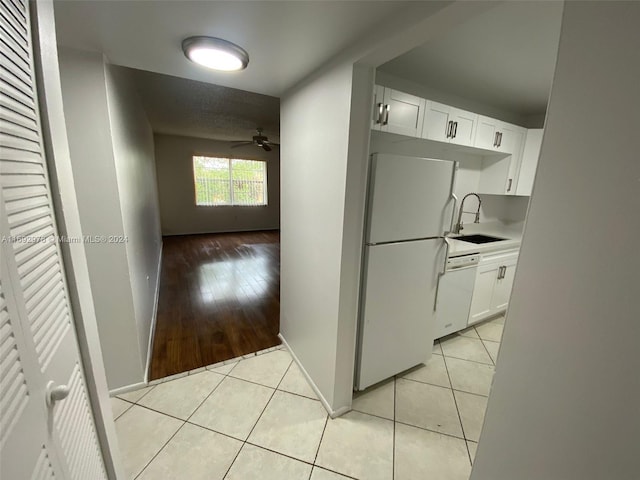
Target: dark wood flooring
[{"x": 219, "y": 298}]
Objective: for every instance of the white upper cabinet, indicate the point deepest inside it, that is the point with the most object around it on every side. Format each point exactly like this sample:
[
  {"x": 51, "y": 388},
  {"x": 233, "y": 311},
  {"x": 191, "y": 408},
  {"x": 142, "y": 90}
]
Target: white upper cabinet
[
  {"x": 465, "y": 124},
  {"x": 486, "y": 133},
  {"x": 397, "y": 112},
  {"x": 500, "y": 173},
  {"x": 529, "y": 162},
  {"x": 444, "y": 123},
  {"x": 500, "y": 144},
  {"x": 437, "y": 122},
  {"x": 499, "y": 136},
  {"x": 512, "y": 138}
]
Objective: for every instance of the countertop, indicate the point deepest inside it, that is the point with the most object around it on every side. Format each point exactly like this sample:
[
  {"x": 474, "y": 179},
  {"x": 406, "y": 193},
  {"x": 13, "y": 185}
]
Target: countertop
[{"x": 511, "y": 232}]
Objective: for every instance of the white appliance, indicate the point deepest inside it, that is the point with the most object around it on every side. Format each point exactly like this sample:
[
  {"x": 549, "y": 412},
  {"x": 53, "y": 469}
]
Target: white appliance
[
  {"x": 454, "y": 294},
  {"x": 410, "y": 208}
]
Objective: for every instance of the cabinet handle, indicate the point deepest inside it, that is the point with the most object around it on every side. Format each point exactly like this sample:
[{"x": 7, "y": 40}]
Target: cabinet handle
[
  {"x": 501, "y": 272},
  {"x": 499, "y": 139},
  {"x": 455, "y": 130},
  {"x": 380, "y": 111},
  {"x": 510, "y": 184},
  {"x": 449, "y": 127},
  {"x": 495, "y": 140},
  {"x": 386, "y": 115}
]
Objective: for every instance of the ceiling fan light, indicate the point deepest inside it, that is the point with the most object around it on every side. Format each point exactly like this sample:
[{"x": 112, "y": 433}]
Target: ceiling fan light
[{"x": 215, "y": 53}]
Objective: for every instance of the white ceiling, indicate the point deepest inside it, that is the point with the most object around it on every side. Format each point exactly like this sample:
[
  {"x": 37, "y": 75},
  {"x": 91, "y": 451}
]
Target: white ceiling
[
  {"x": 286, "y": 40},
  {"x": 179, "y": 106},
  {"x": 504, "y": 58}
]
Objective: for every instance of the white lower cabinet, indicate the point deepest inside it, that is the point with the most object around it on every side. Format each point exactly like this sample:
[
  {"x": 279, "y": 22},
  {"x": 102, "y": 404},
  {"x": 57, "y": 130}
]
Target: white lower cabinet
[{"x": 494, "y": 280}]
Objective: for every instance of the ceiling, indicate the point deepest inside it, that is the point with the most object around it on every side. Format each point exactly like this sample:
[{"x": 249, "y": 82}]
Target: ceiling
[
  {"x": 504, "y": 58},
  {"x": 286, "y": 40},
  {"x": 179, "y": 106}
]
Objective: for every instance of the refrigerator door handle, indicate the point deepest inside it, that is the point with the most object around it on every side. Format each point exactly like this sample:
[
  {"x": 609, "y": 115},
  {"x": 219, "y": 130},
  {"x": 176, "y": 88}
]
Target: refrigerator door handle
[
  {"x": 453, "y": 196},
  {"x": 440, "y": 274}
]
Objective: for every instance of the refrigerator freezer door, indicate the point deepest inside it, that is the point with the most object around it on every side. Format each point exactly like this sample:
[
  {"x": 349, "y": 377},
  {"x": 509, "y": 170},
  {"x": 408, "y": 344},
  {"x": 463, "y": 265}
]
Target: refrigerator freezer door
[
  {"x": 397, "y": 323},
  {"x": 409, "y": 198}
]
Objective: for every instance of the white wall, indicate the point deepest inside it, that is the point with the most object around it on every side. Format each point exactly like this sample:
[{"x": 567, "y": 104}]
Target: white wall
[
  {"x": 178, "y": 212},
  {"x": 132, "y": 141},
  {"x": 353, "y": 232},
  {"x": 566, "y": 394},
  {"x": 312, "y": 196},
  {"x": 110, "y": 143}
]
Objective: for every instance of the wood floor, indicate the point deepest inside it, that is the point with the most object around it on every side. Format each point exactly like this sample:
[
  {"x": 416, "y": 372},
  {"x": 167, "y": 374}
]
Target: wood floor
[{"x": 219, "y": 298}]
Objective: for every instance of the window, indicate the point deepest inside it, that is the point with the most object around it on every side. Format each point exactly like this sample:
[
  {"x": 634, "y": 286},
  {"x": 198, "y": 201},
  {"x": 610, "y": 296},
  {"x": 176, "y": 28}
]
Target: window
[{"x": 229, "y": 181}]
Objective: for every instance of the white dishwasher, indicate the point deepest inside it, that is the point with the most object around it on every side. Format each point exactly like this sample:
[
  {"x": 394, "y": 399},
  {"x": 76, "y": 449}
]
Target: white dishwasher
[{"x": 455, "y": 291}]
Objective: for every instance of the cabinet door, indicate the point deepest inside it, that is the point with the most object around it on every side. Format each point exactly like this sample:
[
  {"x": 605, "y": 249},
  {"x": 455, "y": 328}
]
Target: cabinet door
[
  {"x": 483, "y": 292},
  {"x": 464, "y": 129},
  {"x": 495, "y": 174},
  {"x": 512, "y": 141},
  {"x": 377, "y": 112},
  {"x": 529, "y": 162},
  {"x": 436, "y": 121},
  {"x": 486, "y": 133},
  {"x": 510, "y": 137},
  {"x": 405, "y": 115},
  {"x": 503, "y": 286}
]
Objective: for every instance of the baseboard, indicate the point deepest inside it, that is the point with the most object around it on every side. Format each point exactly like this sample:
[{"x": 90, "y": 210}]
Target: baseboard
[
  {"x": 127, "y": 388},
  {"x": 244, "y": 230},
  {"x": 154, "y": 317},
  {"x": 341, "y": 411},
  {"x": 332, "y": 413}
]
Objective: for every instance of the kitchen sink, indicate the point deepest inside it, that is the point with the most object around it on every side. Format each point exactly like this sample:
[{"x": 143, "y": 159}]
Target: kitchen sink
[{"x": 479, "y": 238}]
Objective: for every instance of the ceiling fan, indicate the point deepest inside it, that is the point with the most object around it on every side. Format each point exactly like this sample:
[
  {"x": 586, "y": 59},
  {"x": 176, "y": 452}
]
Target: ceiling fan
[{"x": 258, "y": 140}]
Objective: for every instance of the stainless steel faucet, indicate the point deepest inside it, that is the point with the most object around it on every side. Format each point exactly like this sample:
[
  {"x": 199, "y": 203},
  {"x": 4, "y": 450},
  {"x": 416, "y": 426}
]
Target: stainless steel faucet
[{"x": 458, "y": 226}]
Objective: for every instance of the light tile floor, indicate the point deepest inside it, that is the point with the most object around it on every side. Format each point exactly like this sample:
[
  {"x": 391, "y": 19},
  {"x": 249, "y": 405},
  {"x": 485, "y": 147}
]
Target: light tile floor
[{"x": 259, "y": 419}]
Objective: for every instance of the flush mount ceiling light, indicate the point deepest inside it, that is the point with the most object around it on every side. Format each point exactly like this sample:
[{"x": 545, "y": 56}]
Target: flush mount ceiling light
[{"x": 215, "y": 53}]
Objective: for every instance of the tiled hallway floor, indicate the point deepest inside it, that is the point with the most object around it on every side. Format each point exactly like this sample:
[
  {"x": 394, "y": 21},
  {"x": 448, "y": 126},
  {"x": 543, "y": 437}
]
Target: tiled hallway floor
[{"x": 259, "y": 419}]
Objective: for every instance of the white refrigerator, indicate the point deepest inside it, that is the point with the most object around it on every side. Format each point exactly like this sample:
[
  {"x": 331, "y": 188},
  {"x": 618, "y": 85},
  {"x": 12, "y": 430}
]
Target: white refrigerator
[{"x": 410, "y": 208}]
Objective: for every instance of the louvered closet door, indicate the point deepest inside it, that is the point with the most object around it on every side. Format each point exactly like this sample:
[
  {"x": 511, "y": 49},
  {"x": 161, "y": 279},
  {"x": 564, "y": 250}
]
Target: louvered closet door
[{"x": 37, "y": 336}]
